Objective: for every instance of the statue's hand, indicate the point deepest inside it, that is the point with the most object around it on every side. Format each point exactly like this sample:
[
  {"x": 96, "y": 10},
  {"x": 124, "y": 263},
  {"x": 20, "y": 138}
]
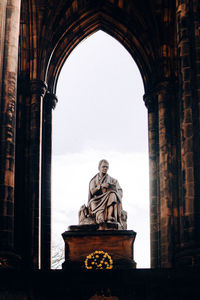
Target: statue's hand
[{"x": 105, "y": 185}]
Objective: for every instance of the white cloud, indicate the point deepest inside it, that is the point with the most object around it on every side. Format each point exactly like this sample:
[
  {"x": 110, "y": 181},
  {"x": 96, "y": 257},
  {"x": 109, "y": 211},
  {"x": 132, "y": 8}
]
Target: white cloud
[{"x": 100, "y": 99}]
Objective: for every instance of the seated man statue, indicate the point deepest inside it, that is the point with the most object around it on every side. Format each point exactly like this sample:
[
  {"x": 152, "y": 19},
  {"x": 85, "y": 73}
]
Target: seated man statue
[{"x": 105, "y": 200}]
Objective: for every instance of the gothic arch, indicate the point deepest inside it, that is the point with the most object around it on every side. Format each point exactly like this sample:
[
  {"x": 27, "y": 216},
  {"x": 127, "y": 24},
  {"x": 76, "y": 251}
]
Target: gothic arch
[
  {"x": 154, "y": 56},
  {"x": 141, "y": 50},
  {"x": 49, "y": 32}
]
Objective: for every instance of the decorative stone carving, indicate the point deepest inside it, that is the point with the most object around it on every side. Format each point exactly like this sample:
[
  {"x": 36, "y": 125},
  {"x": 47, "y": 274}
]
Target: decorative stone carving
[
  {"x": 10, "y": 120},
  {"x": 104, "y": 202},
  {"x": 38, "y": 87},
  {"x": 150, "y": 101},
  {"x": 51, "y": 100}
]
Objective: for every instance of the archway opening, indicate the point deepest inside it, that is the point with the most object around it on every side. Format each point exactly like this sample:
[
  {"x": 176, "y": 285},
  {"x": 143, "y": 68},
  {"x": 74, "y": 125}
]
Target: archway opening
[{"x": 100, "y": 115}]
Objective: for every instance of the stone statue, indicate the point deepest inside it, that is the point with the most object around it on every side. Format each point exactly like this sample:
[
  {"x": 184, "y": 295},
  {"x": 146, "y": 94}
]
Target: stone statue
[{"x": 105, "y": 201}]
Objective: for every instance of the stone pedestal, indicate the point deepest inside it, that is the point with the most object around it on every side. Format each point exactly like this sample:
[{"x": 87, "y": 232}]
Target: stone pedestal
[{"x": 80, "y": 245}]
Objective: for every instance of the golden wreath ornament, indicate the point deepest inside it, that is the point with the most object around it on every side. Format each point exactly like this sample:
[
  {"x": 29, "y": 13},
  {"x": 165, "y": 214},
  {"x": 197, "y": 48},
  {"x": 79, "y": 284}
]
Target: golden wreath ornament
[{"x": 98, "y": 260}]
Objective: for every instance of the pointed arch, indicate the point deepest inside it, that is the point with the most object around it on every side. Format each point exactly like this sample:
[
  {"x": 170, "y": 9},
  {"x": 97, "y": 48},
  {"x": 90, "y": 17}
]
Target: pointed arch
[
  {"x": 147, "y": 30},
  {"x": 114, "y": 90},
  {"x": 88, "y": 24}
]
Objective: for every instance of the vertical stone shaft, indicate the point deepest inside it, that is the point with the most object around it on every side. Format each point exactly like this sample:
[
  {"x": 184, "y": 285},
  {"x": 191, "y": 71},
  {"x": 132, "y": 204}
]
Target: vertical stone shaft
[
  {"x": 166, "y": 176},
  {"x": 196, "y": 66},
  {"x": 49, "y": 103},
  {"x": 188, "y": 44},
  {"x": 9, "y": 33},
  {"x": 150, "y": 102},
  {"x": 37, "y": 91},
  {"x": 3, "y": 5}
]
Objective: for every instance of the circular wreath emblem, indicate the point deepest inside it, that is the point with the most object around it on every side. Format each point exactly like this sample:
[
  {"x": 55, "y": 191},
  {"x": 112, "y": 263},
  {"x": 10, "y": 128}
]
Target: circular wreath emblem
[{"x": 98, "y": 260}]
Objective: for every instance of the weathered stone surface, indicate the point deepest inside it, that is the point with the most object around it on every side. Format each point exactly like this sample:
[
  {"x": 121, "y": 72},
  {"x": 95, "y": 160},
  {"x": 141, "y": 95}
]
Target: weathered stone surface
[
  {"x": 118, "y": 244},
  {"x": 9, "y": 37},
  {"x": 49, "y": 103}
]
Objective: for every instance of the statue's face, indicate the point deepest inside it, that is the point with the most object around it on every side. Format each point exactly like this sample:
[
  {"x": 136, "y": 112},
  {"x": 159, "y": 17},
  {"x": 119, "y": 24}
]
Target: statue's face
[{"x": 104, "y": 168}]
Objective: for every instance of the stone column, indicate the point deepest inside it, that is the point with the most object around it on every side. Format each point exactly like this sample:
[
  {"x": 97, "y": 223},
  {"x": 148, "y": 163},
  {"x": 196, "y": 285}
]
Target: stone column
[
  {"x": 167, "y": 173},
  {"x": 151, "y": 104},
  {"x": 37, "y": 92},
  {"x": 188, "y": 45},
  {"x": 9, "y": 34},
  {"x": 3, "y": 5},
  {"x": 49, "y": 103}
]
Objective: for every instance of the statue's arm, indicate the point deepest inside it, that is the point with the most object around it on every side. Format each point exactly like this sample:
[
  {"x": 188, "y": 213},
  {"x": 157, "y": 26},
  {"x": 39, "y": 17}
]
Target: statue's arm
[
  {"x": 119, "y": 190},
  {"x": 94, "y": 188},
  {"x": 117, "y": 187},
  {"x": 113, "y": 184}
]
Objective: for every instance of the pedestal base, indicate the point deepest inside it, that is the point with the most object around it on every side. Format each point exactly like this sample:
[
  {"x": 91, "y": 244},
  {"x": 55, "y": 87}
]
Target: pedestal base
[{"x": 117, "y": 244}]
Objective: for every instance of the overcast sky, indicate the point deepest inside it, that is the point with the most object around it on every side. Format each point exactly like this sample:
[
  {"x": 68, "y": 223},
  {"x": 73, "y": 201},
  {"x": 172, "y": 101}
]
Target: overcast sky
[{"x": 101, "y": 114}]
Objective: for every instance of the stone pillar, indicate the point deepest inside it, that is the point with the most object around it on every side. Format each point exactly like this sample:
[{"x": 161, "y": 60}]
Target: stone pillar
[
  {"x": 37, "y": 92},
  {"x": 167, "y": 173},
  {"x": 3, "y": 5},
  {"x": 9, "y": 34},
  {"x": 188, "y": 45},
  {"x": 49, "y": 103},
  {"x": 151, "y": 104}
]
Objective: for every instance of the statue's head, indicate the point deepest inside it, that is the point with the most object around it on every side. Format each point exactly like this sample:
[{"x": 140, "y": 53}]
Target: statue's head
[{"x": 103, "y": 166}]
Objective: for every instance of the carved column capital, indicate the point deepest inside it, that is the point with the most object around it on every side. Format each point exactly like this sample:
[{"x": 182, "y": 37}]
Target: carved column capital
[
  {"x": 167, "y": 84},
  {"x": 150, "y": 101},
  {"x": 51, "y": 100},
  {"x": 38, "y": 87},
  {"x": 165, "y": 87}
]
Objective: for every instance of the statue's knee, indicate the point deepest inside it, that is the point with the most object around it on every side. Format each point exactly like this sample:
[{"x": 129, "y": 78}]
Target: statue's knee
[{"x": 113, "y": 196}]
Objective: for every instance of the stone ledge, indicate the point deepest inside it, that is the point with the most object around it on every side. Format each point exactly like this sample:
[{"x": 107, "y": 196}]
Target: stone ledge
[{"x": 86, "y": 230}]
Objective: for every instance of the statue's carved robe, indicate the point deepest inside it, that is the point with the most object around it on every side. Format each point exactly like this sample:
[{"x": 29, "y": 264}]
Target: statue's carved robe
[{"x": 101, "y": 200}]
